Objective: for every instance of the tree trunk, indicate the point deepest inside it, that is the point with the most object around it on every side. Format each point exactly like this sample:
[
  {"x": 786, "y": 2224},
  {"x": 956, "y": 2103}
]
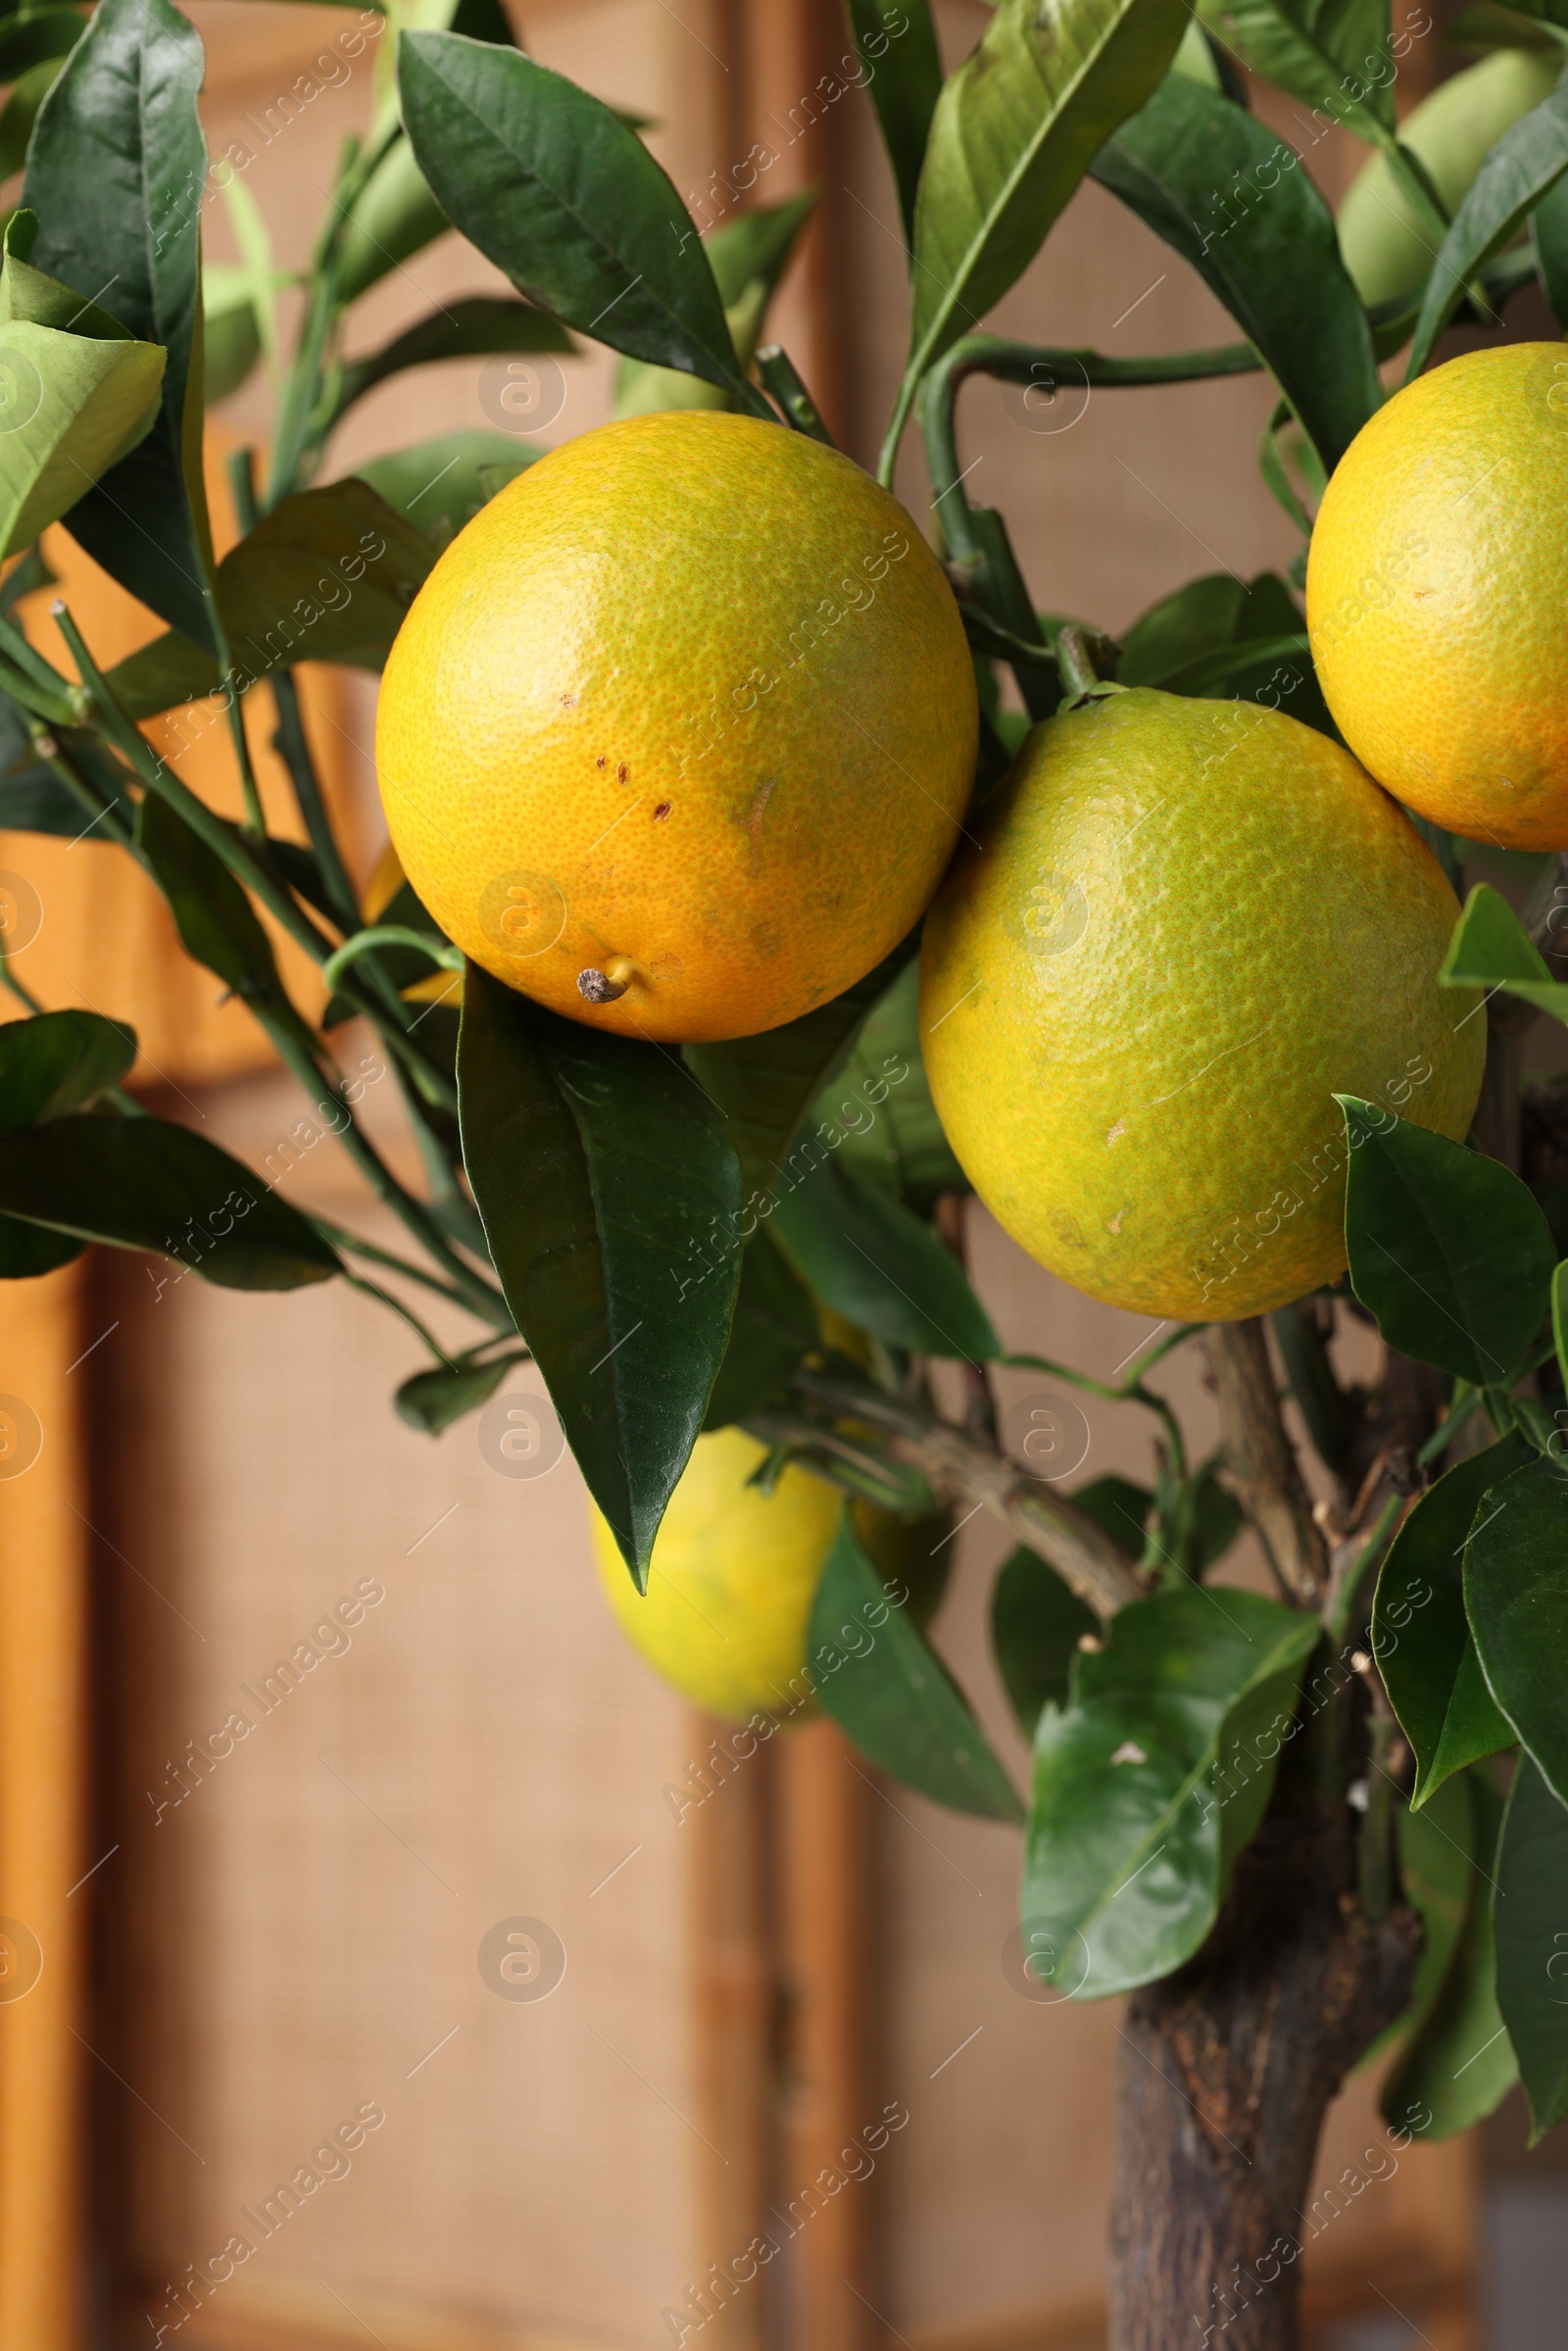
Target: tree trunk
[{"x": 1226, "y": 2070}]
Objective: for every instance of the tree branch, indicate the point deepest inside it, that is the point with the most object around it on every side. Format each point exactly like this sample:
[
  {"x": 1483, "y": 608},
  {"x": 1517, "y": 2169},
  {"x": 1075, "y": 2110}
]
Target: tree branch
[{"x": 1263, "y": 1470}]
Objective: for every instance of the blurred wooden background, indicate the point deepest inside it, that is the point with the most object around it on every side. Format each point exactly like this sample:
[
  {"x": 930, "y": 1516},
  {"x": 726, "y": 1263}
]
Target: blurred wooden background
[{"x": 296, "y": 1938}]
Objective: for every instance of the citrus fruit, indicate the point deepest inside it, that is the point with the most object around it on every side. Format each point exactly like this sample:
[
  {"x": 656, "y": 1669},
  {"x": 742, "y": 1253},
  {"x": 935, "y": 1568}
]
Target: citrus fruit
[
  {"x": 735, "y": 1571},
  {"x": 1187, "y": 927},
  {"x": 1433, "y": 595},
  {"x": 1386, "y": 247},
  {"x": 677, "y": 735}
]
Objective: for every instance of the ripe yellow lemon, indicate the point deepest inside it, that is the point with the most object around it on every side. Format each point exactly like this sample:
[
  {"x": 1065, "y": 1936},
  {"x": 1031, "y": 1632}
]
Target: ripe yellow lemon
[
  {"x": 1386, "y": 246},
  {"x": 730, "y": 1586},
  {"x": 735, "y": 1571},
  {"x": 678, "y": 734},
  {"x": 1434, "y": 599},
  {"x": 1188, "y": 926}
]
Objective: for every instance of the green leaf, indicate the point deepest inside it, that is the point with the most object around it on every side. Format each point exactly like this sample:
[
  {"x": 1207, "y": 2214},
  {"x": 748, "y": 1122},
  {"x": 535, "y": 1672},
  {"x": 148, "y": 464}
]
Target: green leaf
[
  {"x": 1015, "y": 131},
  {"x": 1492, "y": 949},
  {"x": 1037, "y": 1622},
  {"x": 1153, "y": 1777},
  {"x": 611, "y": 1200},
  {"x": 1548, "y": 234},
  {"x": 440, "y": 484},
  {"x": 754, "y": 250},
  {"x": 77, "y": 393},
  {"x": 1533, "y": 1942},
  {"x": 890, "y": 1693},
  {"x": 1318, "y": 50},
  {"x": 328, "y": 576},
  {"x": 1221, "y": 635},
  {"x": 1120, "y": 1508},
  {"x": 1191, "y": 166},
  {"x": 32, "y": 798},
  {"x": 217, "y": 923},
  {"x": 775, "y": 1325},
  {"x": 1460, "y": 2064},
  {"x": 552, "y": 187},
  {"x": 231, "y": 335},
  {"x": 1525, "y": 162},
  {"x": 28, "y": 1249},
  {"x": 142, "y": 1184},
  {"x": 1436, "y": 1850},
  {"x": 903, "y": 71},
  {"x": 116, "y": 174},
  {"x": 1420, "y": 1633},
  {"x": 393, "y": 217},
  {"x": 432, "y": 1400},
  {"x": 38, "y": 36},
  {"x": 880, "y": 1106},
  {"x": 1516, "y": 1597},
  {"x": 57, "y": 1062},
  {"x": 21, "y": 111},
  {"x": 1447, "y": 1249},
  {"x": 876, "y": 1262},
  {"x": 475, "y": 324},
  {"x": 766, "y": 1084}
]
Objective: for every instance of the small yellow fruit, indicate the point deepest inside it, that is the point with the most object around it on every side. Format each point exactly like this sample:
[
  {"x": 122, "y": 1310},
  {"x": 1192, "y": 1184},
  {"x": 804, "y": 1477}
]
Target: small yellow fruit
[
  {"x": 1433, "y": 596},
  {"x": 1189, "y": 925},
  {"x": 1387, "y": 247},
  {"x": 679, "y": 735},
  {"x": 730, "y": 1587}
]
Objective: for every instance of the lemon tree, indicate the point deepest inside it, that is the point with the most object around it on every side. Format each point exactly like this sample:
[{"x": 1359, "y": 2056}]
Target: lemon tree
[{"x": 771, "y": 877}]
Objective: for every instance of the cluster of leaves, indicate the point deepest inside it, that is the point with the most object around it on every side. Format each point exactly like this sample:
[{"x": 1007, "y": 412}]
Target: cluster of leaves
[{"x": 746, "y": 1233}]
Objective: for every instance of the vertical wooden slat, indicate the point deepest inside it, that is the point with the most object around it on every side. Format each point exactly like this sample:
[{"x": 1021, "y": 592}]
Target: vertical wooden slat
[
  {"x": 734, "y": 1990},
  {"x": 43, "y": 1767},
  {"x": 824, "y": 1841}
]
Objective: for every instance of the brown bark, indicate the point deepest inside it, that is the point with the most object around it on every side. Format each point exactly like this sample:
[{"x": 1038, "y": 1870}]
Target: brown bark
[
  {"x": 1226, "y": 2070},
  {"x": 1264, "y": 1472}
]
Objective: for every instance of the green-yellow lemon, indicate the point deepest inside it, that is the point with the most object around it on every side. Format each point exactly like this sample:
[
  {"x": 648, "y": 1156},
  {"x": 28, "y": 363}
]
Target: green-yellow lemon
[
  {"x": 679, "y": 733},
  {"x": 1186, "y": 927},
  {"x": 1433, "y": 595}
]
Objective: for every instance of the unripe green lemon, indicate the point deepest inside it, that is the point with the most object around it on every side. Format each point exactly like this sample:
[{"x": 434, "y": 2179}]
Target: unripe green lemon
[
  {"x": 1187, "y": 926},
  {"x": 1387, "y": 250}
]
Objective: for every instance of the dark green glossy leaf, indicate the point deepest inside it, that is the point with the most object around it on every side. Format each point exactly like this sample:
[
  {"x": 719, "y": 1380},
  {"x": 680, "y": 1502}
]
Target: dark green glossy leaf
[
  {"x": 142, "y": 1184},
  {"x": 326, "y": 576},
  {"x": 766, "y": 1084},
  {"x": 1492, "y": 949},
  {"x": 1516, "y": 1597},
  {"x": 1460, "y": 2064},
  {"x": 1213, "y": 611},
  {"x": 57, "y": 1062},
  {"x": 1155, "y": 1775},
  {"x": 1037, "y": 1622},
  {"x": 1548, "y": 234},
  {"x": 1533, "y": 1942},
  {"x": 1321, "y": 51},
  {"x": 1524, "y": 164},
  {"x": 903, "y": 67},
  {"x": 554, "y": 189},
  {"x": 439, "y": 485},
  {"x": 1420, "y": 1634},
  {"x": 115, "y": 173},
  {"x": 1273, "y": 259},
  {"x": 1015, "y": 131},
  {"x": 880, "y": 1108},
  {"x": 612, "y": 1203},
  {"x": 474, "y": 324},
  {"x": 30, "y": 1250},
  {"x": 32, "y": 798},
  {"x": 890, "y": 1693},
  {"x": 873, "y": 1260},
  {"x": 1120, "y": 1508},
  {"x": 1436, "y": 1847},
  {"x": 432, "y": 1400},
  {"x": 774, "y": 1326},
  {"x": 1447, "y": 1249}
]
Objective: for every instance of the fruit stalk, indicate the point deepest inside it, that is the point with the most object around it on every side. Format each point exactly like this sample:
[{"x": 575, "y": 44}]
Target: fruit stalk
[{"x": 1225, "y": 2073}]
